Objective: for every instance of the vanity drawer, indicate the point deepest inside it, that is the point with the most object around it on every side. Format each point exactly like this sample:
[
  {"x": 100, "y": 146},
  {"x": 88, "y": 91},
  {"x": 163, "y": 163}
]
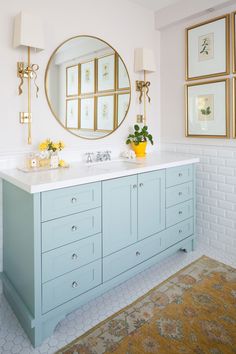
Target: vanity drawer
[
  {"x": 70, "y": 257},
  {"x": 178, "y": 213},
  {"x": 177, "y": 233},
  {"x": 179, "y": 194},
  {"x": 129, "y": 257},
  {"x": 66, "y": 201},
  {"x": 62, "y": 231},
  {"x": 70, "y": 285},
  {"x": 178, "y": 175}
]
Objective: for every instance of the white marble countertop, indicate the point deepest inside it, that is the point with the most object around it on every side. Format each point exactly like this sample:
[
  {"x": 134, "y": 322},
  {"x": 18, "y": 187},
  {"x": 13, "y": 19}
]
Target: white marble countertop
[{"x": 81, "y": 173}]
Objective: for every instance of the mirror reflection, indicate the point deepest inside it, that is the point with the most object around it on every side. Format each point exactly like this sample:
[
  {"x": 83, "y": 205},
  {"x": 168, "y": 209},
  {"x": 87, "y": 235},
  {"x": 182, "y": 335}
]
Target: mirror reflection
[{"x": 87, "y": 87}]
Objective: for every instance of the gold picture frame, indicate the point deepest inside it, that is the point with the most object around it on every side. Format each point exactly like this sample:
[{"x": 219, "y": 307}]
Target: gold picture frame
[
  {"x": 78, "y": 80},
  {"x": 206, "y": 111},
  {"x": 114, "y": 113},
  {"x": 209, "y": 42},
  {"x": 114, "y": 78},
  {"x": 94, "y": 113},
  {"x": 234, "y": 41},
  {"x": 94, "y": 78},
  {"x": 68, "y": 101},
  {"x": 119, "y": 95}
]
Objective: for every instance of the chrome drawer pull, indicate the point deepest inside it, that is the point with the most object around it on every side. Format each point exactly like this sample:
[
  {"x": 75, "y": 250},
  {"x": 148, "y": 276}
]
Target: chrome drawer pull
[
  {"x": 140, "y": 184},
  {"x": 180, "y": 231},
  {"x": 180, "y": 193},
  {"x": 137, "y": 253},
  {"x": 180, "y": 174},
  {"x": 180, "y": 212},
  {"x": 74, "y": 228},
  {"x": 74, "y": 256},
  {"x": 73, "y": 200},
  {"x": 135, "y": 186},
  {"x": 74, "y": 284}
]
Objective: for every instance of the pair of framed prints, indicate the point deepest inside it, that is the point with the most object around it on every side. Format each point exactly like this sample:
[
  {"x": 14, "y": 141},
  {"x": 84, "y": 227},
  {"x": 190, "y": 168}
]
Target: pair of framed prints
[
  {"x": 208, "y": 56},
  {"x": 102, "y": 113}
]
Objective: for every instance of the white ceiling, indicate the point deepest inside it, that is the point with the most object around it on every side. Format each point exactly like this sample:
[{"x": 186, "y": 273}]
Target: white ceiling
[{"x": 155, "y": 5}]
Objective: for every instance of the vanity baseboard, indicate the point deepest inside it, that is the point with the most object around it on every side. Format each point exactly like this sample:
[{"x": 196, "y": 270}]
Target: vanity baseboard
[{"x": 26, "y": 245}]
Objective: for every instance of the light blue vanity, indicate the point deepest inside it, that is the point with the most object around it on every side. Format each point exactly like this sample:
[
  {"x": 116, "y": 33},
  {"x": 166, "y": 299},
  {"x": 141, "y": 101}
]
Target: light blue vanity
[{"x": 65, "y": 246}]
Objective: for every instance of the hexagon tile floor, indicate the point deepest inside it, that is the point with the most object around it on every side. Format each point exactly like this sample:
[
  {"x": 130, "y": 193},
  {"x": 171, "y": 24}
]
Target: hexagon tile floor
[{"x": 13, "y": 339}]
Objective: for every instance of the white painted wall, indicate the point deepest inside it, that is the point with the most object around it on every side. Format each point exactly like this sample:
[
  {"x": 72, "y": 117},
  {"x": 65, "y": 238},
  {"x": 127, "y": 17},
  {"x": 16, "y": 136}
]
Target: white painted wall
[
  {"x": 121, "y": 23},
  {"x": 216, "y": 189}
]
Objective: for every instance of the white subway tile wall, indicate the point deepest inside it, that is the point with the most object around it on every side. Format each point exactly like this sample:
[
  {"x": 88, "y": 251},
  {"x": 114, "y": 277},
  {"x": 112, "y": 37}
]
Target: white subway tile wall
[{"x": 216, "y": 193}]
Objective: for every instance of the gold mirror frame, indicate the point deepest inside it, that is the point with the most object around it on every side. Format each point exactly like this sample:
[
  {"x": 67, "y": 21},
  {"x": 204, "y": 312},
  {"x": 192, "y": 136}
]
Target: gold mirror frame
[{"x": 117, "y": 91}]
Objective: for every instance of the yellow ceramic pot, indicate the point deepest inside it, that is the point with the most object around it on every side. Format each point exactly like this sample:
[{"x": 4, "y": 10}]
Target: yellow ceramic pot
[{"x": 140, "y": 149}]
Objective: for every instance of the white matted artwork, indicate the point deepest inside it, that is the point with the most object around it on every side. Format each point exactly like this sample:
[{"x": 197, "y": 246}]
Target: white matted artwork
[
  {"x": 207, "y": 52},
  {"x": 123, "y": 78},
  {"x": 87, "y": 113},
  {"x": 72, "y": 80},
  {"x": 207, "y": 109},
  {"x": 72, "y": 110},
  {"x": 106, "y": 73},
  {"x": 87, "y": 77},
  {"x": 122, "y": 106},
  {"x": 105, "y": 113}
]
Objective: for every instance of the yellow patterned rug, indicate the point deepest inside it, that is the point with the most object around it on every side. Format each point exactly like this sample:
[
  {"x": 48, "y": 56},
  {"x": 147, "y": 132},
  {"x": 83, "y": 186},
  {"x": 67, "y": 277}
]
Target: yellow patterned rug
[{"x": 194, "y": 311}]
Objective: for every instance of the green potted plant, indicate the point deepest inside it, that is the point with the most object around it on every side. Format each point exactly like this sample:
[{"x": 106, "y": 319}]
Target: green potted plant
[{"x": 139, "y": 139}]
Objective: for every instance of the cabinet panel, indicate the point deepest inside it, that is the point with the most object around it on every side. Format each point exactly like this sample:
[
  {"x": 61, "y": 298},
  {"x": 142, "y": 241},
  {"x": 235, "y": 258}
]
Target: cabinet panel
[
  {"x": 75, "y": 255},
  {"x": 177, "y": 233},
  {"x": 70, "y": 285},
  {"x": 179, "y": 194},
  {"x": 119, "y": 212},
  {"x": 151, "y": 203},
  {"x": 179, "y": 213},
  {"x": 71, "y": 200},
  {"x": 59, "y": 232},
  {"x": 178, "y": 175},
  {"x": 129, "y": 257}
]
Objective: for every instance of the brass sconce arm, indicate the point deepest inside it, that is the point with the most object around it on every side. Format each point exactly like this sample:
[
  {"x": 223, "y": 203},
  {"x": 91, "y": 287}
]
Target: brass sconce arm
[
  {"x": 143, "y": 88},
  {"x": 23, "y": 72}
]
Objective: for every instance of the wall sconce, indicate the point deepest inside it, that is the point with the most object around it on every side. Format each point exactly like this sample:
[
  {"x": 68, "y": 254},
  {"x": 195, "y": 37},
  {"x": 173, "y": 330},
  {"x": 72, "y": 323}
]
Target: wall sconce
[
  {"x": 144, "y": 61},
  {"x": 28, "y": 32}
]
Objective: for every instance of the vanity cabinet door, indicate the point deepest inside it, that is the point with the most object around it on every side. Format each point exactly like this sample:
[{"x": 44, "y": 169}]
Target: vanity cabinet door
[
  {"x": 151, "y": 203},
  {"x": 119, "y": 212}
]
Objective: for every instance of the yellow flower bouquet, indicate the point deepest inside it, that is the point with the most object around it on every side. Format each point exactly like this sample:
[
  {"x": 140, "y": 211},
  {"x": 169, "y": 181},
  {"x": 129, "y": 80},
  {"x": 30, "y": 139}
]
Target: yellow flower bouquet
[{"x": 49, "y": 153}]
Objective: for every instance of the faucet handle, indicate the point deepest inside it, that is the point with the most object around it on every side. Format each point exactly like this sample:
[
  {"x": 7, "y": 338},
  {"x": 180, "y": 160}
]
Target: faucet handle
[
  {"x": 89, "y": 157},
  {"x": 108, "y": 154}
]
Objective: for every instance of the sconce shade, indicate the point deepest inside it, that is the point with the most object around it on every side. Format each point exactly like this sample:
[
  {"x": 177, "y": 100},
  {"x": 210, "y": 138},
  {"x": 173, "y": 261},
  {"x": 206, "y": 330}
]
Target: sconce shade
[
  {"x": 144, "y": 60},
  {"x": 28, "y": 31}
]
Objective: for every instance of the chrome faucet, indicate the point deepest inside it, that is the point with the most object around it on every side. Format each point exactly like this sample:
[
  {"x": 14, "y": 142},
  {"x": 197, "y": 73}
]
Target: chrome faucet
[{"x": 99, "y": 156}]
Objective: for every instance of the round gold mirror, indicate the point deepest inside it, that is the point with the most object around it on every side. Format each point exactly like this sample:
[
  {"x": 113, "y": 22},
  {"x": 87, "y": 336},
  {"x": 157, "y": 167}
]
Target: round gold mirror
[{"x": 87, "y": 87}]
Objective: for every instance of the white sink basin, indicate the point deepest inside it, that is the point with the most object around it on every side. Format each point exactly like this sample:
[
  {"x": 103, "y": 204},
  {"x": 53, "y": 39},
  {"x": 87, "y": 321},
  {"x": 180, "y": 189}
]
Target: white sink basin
[{"x": 112, "y": 165}]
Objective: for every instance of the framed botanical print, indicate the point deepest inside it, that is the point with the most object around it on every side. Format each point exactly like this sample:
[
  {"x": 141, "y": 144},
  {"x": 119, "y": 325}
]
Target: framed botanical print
[
  {"x": 207, "y": 109},
  {"x": 72, "y": 80},
  {"x": 234, "y": 40},
  {"x": 87, "y": 113},
  {"x": 106, "y": 73},
  {"x": 87, "y": 82},
  {"x": 123, "y": 101},
  {"x": 105, "y": 112},
  {"x": 72, "y": 113},
  {"x": 122, "y": 76},
  {"x": 207, "y": 49}
]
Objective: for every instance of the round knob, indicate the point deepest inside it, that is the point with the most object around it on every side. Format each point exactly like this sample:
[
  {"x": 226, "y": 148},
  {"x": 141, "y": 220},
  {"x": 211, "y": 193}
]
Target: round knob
[
  {"x": 180, "y": 174},
  {"x": 74, "y": 228},
  {"x": 74, "y": 256},
  {"x": 140, "y": 184},
  {"x": 180, "y": 212},
  {"x": 180, "y": 231},
  {"x": 73, "y": 200},
  {"x": 74, "y": 284},
  {"x": 135, "y": 186},
  {"x": 180, "y": 193},
  {"x": 137, "y": 253}
]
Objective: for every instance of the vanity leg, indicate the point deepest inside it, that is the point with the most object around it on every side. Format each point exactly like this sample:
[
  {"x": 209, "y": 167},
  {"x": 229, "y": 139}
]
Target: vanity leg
[{"x": 189, "y": 247}]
